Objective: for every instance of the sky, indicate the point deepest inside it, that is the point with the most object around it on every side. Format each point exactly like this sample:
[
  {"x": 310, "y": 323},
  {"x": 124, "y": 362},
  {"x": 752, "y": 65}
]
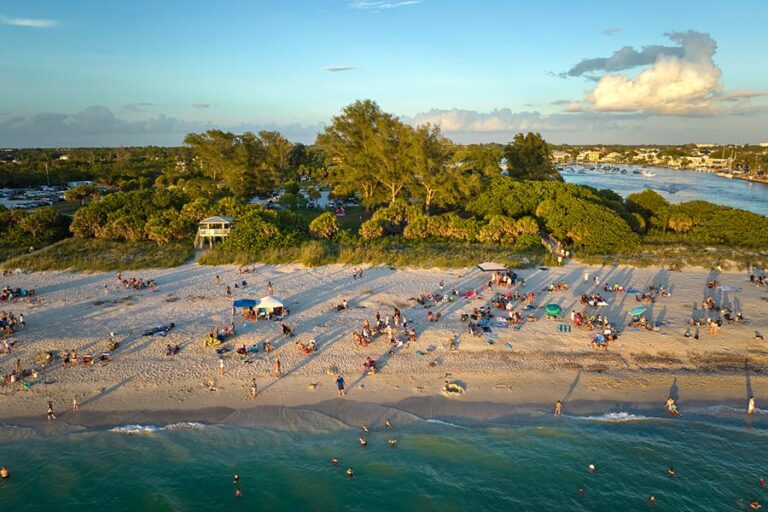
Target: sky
[{"x": 119, "y": 73}]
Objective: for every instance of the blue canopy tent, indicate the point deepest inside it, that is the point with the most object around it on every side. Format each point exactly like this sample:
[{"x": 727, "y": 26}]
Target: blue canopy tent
[{"x": 245, "y": 303}]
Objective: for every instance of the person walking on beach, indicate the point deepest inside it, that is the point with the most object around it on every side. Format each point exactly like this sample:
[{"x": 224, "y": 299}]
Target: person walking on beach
[
  {"x": 276, "y": 371},
  {"x": 558, "y": 407},
  {"x": 106, "y": 290},
  {"x": 586, "y": 276},
  {"x": 751, "y": 405},
  {"x": 254, "y": 389},
  {"x": 51, "y": 416},
  {"x": 221, "y": 365},
  {"x": 340, "y": 385},
  {"x": 217, "y": 280},
  {"x": 22, "y": 323},
  {"x": 270, "y": 288},
  {"x": 75, "y": 405}
]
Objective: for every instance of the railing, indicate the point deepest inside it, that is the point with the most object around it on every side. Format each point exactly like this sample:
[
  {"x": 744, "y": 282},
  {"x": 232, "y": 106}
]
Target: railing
[{"x": 212, "y": 232}]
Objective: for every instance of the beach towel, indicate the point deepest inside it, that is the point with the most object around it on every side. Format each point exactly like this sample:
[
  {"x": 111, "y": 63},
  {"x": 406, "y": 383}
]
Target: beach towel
[
  {"x": 722, "y": 289},
  {"x": 508, "y": 346},
  {"x": 632, "y": 290}
]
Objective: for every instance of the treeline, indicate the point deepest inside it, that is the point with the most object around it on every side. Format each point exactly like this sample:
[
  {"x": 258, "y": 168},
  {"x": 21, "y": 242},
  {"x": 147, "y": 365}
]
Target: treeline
[
  {"x": 418, "y": 190},
  {"x": 700, "y": 221}
]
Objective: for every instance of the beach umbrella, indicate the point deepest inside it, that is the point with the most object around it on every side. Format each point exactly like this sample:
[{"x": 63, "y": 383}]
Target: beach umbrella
[
  {"x": 639, "y": 310},
  {"x": 553, "y": 309}
]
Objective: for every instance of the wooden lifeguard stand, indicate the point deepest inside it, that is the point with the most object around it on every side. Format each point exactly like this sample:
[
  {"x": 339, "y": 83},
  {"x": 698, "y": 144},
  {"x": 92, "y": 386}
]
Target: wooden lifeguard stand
[{"x": 212, "y": 230}]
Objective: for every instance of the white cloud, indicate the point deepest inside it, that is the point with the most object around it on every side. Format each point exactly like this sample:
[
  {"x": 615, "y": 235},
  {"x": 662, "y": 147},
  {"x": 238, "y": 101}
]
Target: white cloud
[
  {"x": 673, "y": 85},
  {"x": 381, "y": 5},
  {"x": 28, "y": 22}
]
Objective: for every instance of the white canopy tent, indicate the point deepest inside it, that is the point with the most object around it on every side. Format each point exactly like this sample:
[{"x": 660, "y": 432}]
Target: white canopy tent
[{"x": 269, "y": 304}]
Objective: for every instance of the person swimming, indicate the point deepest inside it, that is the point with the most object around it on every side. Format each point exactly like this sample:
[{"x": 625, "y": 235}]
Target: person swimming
[
  {"x": 363, "y": 442},
  {"x": 4, "y": 472},
  {"x": 592, "y": 468},
  {"x": 651, "y": 500},
  {"x": 365, "y": 428},
  {"x": 671, "y": 471},
  {"x": 236, "y": 479},
  {"x": 238, "y": 493},
  {"x": 388, "y": 424},
  {"x": 392, "y": 442},
  {"x": 350, "y": 473},
  {"x": 754, "y": 505},
  {"x": 581, "y": 491},
  {"x": 761, "y": 482},
  {"x": 334, "y": 461}
]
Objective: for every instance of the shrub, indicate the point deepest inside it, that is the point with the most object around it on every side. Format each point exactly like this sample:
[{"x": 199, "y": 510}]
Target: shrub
[{"x": 324, "y": 225}]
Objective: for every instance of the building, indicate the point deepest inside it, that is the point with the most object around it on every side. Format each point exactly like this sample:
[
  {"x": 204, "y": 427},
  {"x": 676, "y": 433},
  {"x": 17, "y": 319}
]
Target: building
[
  {"x": 561, "y": 156},
  {"x": 589, "y": 156},
  {"x": 212, "y": 230},
  {"x": 764, "y": 144}
]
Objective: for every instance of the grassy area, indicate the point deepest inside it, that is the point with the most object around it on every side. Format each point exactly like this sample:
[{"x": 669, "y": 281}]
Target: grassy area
[
  {"x": 354, "y": 216},
  {"x": 397, "y": 252},
  {"x": 684, "y": 255},
  {"x": 103, "y": 255}
]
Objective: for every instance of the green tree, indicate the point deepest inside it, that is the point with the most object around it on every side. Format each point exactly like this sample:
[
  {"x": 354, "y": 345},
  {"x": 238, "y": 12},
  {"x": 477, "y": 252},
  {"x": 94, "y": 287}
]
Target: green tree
[
  {"x": 528, "y": 158},
  {"x": 324, "y": 225},
  {"x": 81, "y": 193},
  {"x": 434, "y": 172},
  {"x": 353, "y": 150}
]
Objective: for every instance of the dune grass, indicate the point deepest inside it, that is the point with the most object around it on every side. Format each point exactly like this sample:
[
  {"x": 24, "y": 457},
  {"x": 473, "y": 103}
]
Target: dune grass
[
  {"x": 103, "y": 255},
  {"x": 684, "y": 255},
  {"x": 396, "y": 252}
]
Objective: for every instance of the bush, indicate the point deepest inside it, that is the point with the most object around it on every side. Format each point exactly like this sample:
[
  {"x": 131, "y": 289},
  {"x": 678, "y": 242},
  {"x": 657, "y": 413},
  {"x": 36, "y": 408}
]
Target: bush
[
  {"x": 324, "y": 225},
  {"x": 590, "y": 228}
]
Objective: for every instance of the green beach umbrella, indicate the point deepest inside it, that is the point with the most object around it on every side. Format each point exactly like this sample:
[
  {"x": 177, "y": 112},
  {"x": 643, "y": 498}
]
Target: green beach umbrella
[
  {"x": 553, "y": 309},
  {"x": 639, "y": 310}
]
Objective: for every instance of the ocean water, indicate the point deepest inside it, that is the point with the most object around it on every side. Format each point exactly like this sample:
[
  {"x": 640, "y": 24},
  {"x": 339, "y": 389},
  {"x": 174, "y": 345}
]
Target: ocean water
[
  {"x": 534, "y": 462},
  {"x": 679, "y": 186}
]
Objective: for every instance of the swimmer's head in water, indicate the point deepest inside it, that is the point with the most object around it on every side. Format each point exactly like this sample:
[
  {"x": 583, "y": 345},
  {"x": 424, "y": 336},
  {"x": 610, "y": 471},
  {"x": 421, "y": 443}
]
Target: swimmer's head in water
[
  {"x": 671, "y": 471},
  {"x": 591, "y": 468},
  {"x": 350, "y": 473}
]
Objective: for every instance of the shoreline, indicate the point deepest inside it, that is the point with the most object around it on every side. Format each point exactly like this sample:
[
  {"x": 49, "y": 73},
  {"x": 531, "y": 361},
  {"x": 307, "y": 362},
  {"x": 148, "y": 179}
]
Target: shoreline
[{"x": 593, "y": 396}]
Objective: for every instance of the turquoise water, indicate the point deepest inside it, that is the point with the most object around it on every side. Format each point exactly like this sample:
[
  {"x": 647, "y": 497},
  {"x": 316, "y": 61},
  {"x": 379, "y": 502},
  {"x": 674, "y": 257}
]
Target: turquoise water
[
  {"x": 679, "y": 186},
  {"x": 531, "y": 463}
]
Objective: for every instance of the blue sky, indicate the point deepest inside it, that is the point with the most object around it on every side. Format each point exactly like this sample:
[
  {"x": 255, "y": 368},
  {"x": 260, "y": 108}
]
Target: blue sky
[{"x": 140, "y": 72}]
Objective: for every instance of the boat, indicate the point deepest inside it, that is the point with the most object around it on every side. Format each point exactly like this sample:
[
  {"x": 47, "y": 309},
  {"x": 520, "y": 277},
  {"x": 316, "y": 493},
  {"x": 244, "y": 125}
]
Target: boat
[
  {"x": 728, "y": 175},
  {"x": 648, "y": 174},
  {"x": 623, "y": 171},
  {"x": 636, "y": 172}
]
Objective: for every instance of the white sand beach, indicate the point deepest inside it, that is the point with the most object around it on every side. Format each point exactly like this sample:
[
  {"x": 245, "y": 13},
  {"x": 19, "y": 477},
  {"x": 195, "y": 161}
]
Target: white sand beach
[{"x": 530, "y": 367}]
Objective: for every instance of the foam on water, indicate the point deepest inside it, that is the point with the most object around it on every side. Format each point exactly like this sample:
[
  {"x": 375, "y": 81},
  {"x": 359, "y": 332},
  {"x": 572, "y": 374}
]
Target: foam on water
[
  {"x": 615, "y": 417},
  {"x": 446, "y": 423},
  {"x": 148, "y": 429}
]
